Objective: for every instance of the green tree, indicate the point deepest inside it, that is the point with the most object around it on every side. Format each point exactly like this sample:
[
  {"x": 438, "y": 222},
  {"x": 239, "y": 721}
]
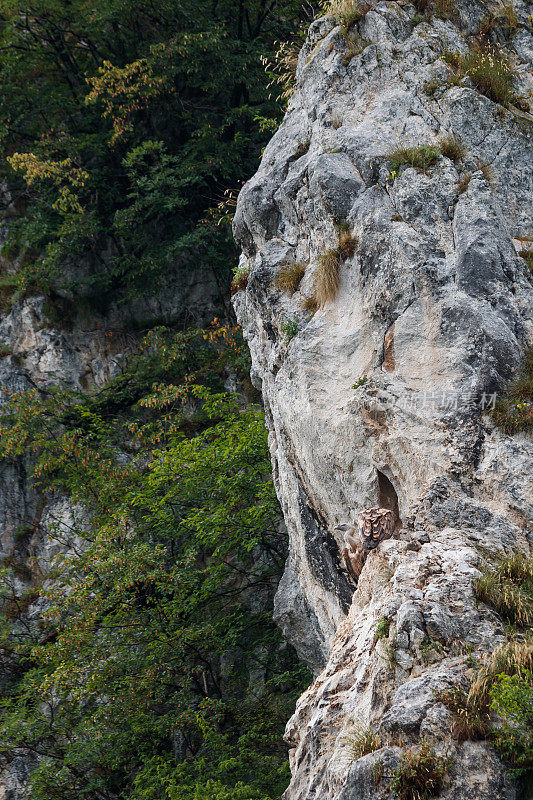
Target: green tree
[
  {"x": 125, "y": 123},
  {"x": 157, "y": 670}
]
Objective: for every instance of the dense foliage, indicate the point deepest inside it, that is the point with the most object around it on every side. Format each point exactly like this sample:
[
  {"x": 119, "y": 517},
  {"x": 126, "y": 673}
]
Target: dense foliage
[
  {"x": 126, "y": 123},
  {"x": 157, "y": 671}
]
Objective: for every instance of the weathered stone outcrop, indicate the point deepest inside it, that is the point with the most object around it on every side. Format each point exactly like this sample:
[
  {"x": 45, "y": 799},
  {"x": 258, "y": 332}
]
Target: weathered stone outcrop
[{"x": 382, "y": 394}]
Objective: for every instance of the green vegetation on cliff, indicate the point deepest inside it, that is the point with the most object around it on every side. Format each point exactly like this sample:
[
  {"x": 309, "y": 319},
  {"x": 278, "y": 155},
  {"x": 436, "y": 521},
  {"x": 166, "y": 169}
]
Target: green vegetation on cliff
[{"x": 156, "y": 670}]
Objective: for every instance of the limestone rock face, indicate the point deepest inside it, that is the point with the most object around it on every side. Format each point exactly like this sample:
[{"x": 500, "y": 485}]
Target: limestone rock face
[{"x": 380, "y": 398}]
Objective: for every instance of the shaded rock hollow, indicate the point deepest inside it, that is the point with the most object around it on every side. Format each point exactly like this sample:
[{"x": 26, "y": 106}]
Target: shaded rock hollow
[{"x": 383, "y": 392}]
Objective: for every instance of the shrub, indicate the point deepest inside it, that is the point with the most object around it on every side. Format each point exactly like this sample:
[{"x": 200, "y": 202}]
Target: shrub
[
  {"x": 507, "y": 586},
  {"x": 420, "y": 774},
  {"x": 527, "y": 255},
  {"x": 420, "y": 157},
  {"x": 359, "y": 741},
  {"x": 451, "y": 147},
  {"x": 470, "y": 714},
  {"x": 512, "y": 698},
  {"x": 290, "y": 329},
  {"x": 491, "y": 73},
  {"x": 347, "y": 12},
  {"x": 326, "y": 279},
  {"x": 514, "y": 410},
  {"x": 289, "y": 277}
]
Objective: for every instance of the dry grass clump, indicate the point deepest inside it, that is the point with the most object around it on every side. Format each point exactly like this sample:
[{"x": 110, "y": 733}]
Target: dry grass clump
[
  {"x": 514, "y": 410},
  {"x": 347, "y": 12},
  {"x": 289, "y": 277},
  {"x": 420, "y": 774},
  {"x": 488, "y": 173},
  {"x": 464, "y": 181},
  {"x": 347, "y": 244},
  {"x": 420, "y": 157},
  {"x": 491, "y": 73},
  {"x": 283, "y": 68},
  {"x": 507, "y": 586},
  {"x": 310, "y": 305},
  {"x": 359, "y": 741},
  {"x": 470, "y": 714},
  {"x": 451, "y": 147},
  {"x": 509, "y": 658},
  {"x": 326, "y": 279}
]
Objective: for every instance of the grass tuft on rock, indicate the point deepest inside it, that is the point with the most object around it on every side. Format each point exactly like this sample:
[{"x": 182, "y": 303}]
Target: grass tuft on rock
[
  {"x": 527, "y": 255},
  {"x": 451, "y": 147},
  {"x": 420, "y": 157},
  {"x": 507, "y": 586},
  {"x": 347, "y": 12},
  {"x": 470, "y": 714},
  {"x": 420, "y": 773},
  {"x": 289, "y": 277},
  {"x": 514, "y": 410},
  {"x": 491, "y": 73},
  {"x": 327, "y": 279},
  {"x": 359, "y": 741}
]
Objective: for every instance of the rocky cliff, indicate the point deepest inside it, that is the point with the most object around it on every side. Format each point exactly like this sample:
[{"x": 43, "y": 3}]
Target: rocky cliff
[{"x": 379, "y": 395}]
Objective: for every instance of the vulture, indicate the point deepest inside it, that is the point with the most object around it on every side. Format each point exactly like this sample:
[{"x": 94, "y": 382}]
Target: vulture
[
  {"x": 375, "y": 525},
  {"x": 352, "y": 553}
]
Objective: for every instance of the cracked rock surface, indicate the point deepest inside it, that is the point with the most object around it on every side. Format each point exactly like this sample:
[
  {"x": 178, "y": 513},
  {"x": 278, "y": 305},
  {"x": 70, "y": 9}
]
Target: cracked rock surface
[{"x": 388, "y": 384}]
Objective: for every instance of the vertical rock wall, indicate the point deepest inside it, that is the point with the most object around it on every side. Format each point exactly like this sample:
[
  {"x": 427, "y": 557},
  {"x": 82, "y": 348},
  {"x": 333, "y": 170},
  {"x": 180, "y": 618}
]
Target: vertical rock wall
[{"x": 389, "y": 382}]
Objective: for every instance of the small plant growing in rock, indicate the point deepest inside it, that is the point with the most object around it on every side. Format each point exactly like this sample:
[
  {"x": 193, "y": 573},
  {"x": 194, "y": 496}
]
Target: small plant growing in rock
[
  {"x": 289, "y": 277},
  {"x": 355, "y": 44},
  {"x": 360, "y": 382},
  {"x": 240, "y": 278},
  {"x": 290, "y": 329},
  {"x": 347, "y": 12},
  {"x": 430, "y": 648},
  {"x": 512, "y": 698},
  {"x": 382, "y": 628},
  {"x": 513, "y": 412},
  {"x": 303, "y": 147},
  {"x": 507, "y": 586},
  {"x": 470, "y": 714},
  {"x": 420, "y": 774},
  {"x": 421, "y": 157},
  {"x": 431, "y": 86},
  {"x": 359, "y": 741},
  {"x": 451, "y": 147}
]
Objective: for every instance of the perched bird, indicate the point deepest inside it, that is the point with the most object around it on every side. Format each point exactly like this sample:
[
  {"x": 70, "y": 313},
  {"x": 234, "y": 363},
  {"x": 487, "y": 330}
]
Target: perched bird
[
  {"x": 353, "y": 553},
  {"x": 375, "y": 525}
]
